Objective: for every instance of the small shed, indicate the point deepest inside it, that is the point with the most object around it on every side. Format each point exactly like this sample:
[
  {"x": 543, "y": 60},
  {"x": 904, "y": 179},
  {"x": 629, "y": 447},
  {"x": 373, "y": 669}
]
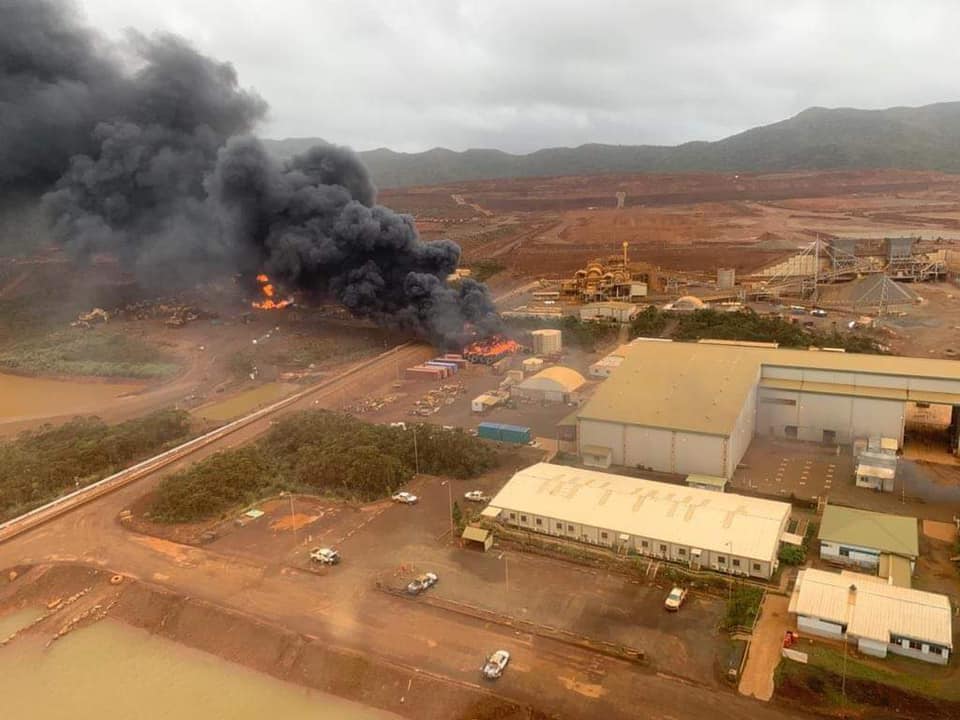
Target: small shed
[
  {"x": 596, "y": 456},
  {"x": 707, "y": 482},
  {"x": 532, "y": 365},
  {"x": 477, "y": 537},
  {"x": 875, "y": 477}
]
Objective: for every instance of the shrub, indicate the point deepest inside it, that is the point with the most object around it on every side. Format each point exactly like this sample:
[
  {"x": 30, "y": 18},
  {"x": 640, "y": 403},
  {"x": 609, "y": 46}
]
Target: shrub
[
  {"x": 792, "y": 555},
  {"x": 324, "y": 453},
  {"x": 742, "y": 606},
  {"x": 39, "y": 465}
]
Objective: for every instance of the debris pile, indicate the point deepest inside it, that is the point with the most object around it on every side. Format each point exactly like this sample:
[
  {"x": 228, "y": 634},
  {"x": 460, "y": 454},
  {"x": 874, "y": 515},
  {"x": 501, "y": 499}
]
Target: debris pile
[
  {"x": 88, "y": 320},
  {"x": 433, "y": 400}
]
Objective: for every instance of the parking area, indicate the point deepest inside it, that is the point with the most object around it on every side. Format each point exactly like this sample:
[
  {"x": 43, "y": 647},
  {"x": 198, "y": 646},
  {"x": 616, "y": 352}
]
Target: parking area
[
  {"x": 806, "y": 471},
  {"x": 392, "y": 543}
]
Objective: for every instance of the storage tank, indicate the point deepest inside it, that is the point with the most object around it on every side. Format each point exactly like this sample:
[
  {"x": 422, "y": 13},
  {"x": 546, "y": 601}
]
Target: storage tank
[
  {"x": 547, "y": 342},
  {"x": 726, "y": 278},
  {"x": 532, "y": 365}
]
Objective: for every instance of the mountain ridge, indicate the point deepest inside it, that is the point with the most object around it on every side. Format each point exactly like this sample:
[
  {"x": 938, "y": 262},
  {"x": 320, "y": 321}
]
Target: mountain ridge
[{"x": 818, "y": 138}]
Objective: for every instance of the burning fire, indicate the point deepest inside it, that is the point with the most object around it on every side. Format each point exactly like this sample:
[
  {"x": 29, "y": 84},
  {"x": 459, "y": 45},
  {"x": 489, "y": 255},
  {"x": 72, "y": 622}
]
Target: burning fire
[
  {"x": 269, "y": 291},
  {"x": 490, "y": 350}
]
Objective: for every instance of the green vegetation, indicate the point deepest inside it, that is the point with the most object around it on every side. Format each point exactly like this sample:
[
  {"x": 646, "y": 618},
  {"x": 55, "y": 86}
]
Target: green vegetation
[
  {"x": 649, "y": 322},
  {"x": 101, "y": 352},
  {"x": 317, "y": 352},
  {"x": 483, "y": 270},
  {"x": 458, "y": 520},
  {"x": 576, "y": 333},
  {"x": 241, "y": 364},
  {"x": 318, "y": 452},
  {"x": 742, "y": 606},
  {"x": 745, "y": 325},
  {"x": 826, "y": 668},
  {"x": 40, "y": 465},
  {"x": 792, "y": 555},
  {"x": 816, "y": 139}
]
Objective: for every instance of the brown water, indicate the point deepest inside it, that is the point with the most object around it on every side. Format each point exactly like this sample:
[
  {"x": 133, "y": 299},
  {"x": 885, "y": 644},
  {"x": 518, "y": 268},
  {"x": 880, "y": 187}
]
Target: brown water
[
  {"x": 26, "y": 397},
  {"x": 111, "y": 670},
  {"x": 9, "y": 624}
]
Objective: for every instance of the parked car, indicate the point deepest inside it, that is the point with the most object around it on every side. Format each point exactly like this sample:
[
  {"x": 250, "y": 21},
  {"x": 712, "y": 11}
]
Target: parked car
[
  {"x": 325, "y": 556},
  {"x": 817, "y": 312},
  {"x": 405, "y": 498},
  {"x": 421, "y": 583},
  {"x": 675, "y": 599},
  {"x": 476, "y": 496},
  {"x": 496, "y": 664}
]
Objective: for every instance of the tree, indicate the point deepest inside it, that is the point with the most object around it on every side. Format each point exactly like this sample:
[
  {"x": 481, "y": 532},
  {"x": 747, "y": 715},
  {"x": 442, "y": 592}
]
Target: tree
[{"x": 457, "y": 516}]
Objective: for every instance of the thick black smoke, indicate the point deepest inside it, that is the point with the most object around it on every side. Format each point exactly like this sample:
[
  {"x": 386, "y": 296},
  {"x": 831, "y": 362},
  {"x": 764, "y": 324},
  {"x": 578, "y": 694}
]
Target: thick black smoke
[
  {"x": 145, "y": 154},
  {"x": 314, "y": 225}
]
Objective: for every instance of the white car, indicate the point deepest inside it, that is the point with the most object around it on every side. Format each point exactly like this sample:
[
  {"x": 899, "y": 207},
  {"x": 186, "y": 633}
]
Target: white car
[
  {"x": 476, "y": 496},
  {"x": 421, "y": 583},
  {"x": 495, "y": 665},
  {"x": 675, "y": 599},
  {"x": 325, "y": 556},
  {"x": 405, "y": 498}
]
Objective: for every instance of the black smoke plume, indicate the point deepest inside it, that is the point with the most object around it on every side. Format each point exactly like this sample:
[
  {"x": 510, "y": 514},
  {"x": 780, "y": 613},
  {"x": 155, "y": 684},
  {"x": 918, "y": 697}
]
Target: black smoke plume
[{"x": 145, "y": 153}]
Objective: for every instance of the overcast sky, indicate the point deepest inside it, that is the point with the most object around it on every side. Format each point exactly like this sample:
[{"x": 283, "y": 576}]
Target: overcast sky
[{"x": 523, "y": 74}]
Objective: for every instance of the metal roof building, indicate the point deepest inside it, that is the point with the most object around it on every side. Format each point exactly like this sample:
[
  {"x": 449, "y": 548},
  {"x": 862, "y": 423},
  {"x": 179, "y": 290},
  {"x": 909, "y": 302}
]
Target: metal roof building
[
  {"x": 554, "y": 384},
  {"x": 694, "y": 407},
  {"x": 861, "y": 537},
  {"x": 702, "y": 528},
  {"x": 880, "y": 616}
]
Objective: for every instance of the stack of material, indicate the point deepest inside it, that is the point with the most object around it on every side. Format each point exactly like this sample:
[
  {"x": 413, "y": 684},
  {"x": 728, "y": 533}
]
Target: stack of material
[{"x": 873, "y": 293}]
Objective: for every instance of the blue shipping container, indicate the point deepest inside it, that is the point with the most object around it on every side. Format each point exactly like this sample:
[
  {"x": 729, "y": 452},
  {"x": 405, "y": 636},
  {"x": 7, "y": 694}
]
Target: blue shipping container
[{"x": 504, "y": 433}]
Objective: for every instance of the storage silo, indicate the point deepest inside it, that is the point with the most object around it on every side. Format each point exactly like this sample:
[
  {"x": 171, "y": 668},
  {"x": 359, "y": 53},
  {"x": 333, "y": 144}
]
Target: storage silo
[{"x": 547, "y": 342}]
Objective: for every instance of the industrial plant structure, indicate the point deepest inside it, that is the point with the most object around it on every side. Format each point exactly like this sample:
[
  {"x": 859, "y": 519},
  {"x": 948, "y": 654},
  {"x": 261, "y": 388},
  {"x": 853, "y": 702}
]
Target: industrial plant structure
[
  {"x": 700, "y": 528},
  {"x": 695, "y": 407}
]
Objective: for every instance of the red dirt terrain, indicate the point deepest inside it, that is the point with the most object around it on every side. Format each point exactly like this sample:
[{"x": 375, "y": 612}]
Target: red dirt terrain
[{"x": 549, "y": 227}]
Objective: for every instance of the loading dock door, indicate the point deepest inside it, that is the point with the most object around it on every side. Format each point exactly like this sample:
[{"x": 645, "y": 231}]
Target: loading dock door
[{"x": 695, "y": 555}]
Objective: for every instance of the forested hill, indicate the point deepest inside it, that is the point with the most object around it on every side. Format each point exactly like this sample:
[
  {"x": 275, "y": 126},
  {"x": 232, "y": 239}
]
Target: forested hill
[{"x": 925, "y": 138}]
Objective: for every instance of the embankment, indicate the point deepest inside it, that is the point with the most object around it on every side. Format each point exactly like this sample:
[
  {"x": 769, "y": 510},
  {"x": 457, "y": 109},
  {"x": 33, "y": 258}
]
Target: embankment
[{"x": 249, "y": 641}]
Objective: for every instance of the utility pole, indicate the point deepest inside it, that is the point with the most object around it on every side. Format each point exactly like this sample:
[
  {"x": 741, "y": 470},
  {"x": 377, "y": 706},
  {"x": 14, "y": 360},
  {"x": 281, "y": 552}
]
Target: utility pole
[
  {"x": 416, "y": 454},
  {"x": 450, "y": 507}
]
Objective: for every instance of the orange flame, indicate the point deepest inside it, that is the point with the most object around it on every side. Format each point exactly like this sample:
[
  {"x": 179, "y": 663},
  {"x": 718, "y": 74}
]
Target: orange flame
[
  {"x": 490, "y": 350},
  {"x": 268, "y": 290}
]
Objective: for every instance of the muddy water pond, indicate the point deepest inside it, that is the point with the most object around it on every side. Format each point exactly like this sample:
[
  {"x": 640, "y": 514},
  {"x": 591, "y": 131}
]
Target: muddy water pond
[
  {"x": 26, "y": 397},
  {"x": 112, "y": 670}
]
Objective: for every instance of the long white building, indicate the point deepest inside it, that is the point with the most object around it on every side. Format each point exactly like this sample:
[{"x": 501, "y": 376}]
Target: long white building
[
  {"x": 700, "y": 528},
  {"x": 695, "y": 407}
]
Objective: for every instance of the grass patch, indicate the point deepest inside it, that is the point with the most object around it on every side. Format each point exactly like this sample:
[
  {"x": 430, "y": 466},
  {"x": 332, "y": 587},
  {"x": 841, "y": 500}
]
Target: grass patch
[
  {"x": 244, "y": 403},
  {"x": 41, "y": 465},
  {"x": 99, "y": 352},
  {"x": 318, "y": 452},
  {"x": 742, "y": 606},
  {"x": 483, "y": 270},
  {"x": 321, "y": 352},
  {"x": 900, "y": 672},
  {"x": 897, "y": 684}
]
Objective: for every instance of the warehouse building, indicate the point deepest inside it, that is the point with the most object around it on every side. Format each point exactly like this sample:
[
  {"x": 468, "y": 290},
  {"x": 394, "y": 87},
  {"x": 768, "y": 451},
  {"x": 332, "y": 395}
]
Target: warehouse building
[
  {"x": 863, "y": 538},
  {"x": 695, "y": 407},
  {"x": 699, "y": 528},
  {"x": 878, "y": 616},
  {"x": 555, "y": 384}
]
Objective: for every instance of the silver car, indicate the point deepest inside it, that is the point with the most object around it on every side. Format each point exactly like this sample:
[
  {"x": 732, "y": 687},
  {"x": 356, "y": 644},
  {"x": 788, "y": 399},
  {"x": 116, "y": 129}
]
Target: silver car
[
  {"x": 421, "y": 583},
  {"x": 495, "y": 665}
]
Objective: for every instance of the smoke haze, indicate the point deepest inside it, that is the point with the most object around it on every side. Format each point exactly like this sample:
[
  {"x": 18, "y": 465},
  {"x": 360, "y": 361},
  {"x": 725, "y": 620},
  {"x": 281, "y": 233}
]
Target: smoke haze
[{"x": 143, "y": 151}]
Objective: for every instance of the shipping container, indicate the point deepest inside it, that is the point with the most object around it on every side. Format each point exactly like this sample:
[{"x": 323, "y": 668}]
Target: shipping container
[
  {"x": 452, "y": 367},
  {"x": 504, "y": 433}
]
